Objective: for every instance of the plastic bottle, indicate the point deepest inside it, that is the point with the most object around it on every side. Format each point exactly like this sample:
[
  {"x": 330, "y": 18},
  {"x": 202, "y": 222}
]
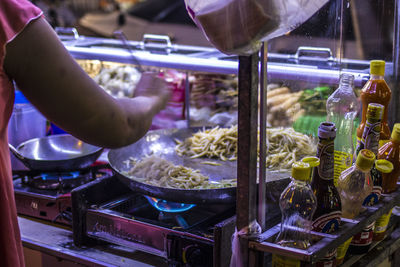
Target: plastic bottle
[
  {"x": 362, "y": 241},
  {"x": 376, "y": 90},
  {"x": 342, "y": 107},
  {"x": 327, "y": 216},
  {"x": 297, "y": 204},
  {"x": 390, "y": 151},
  {"x": 383, "y": 167},
  {"x": 354, "y": 185}
]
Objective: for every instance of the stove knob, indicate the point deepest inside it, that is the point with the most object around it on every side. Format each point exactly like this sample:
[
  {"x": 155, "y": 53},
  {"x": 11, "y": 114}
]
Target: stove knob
[{"x": 195, "y": 257}]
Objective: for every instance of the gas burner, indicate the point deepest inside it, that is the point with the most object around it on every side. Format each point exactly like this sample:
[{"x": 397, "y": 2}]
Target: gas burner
[
  {"x": 58, "y": 181},
  {"x": 168, "y": 206},
  {"x": 48, "y": 195},
  {"x": 62, "y": 181}
]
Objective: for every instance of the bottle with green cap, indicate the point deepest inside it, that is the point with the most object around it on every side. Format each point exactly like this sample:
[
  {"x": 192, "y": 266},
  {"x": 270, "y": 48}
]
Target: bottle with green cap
[
  {"x": 298, "y": 204},
  {"x": 376, "y": 90},
  {"x": 361, "y": 242},
  {"x": 354, "y": 185},
  {"x": 391, "y": 152}
]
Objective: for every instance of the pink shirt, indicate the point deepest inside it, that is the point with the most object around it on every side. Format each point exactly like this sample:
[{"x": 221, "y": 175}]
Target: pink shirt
[{"x": 14, "y": 16}]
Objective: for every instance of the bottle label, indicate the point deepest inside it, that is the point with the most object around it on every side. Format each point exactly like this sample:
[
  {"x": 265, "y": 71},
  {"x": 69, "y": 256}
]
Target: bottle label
[
  {"x": 382, "y": 222},
  {"x": 373, "y": 198},
  {"x": 364, "y": 238},
  {"x": 328, "y": 261},
  {"x": 342, "y": 161},
  {"x": 327, "y": 223},
  {"x": 371, "y": 136},
  {"x": 281, "y": 261},
  {"x": 382, "y": 142},
  {"x": 342, "y": 249},
  {"x": 326, "y": 157}
]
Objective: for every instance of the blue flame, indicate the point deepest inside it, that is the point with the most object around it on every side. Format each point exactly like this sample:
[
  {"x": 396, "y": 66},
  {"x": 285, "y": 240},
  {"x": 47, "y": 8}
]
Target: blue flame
[
  {"x": 167, "y": 206},
  {"x": 56, "y": 176}
]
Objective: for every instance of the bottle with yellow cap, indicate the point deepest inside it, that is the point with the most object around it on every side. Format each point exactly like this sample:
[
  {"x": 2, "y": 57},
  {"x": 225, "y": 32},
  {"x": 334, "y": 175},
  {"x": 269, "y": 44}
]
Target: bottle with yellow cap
[
  {"x": 376, "y": 90},
  {"x": 298, "y": 204},
  {"x": 361, "y": 242},
  {"x": 383, "y": 167},
  {"x": 354, "y": 185},
  {"x": 391, "y": 152}
]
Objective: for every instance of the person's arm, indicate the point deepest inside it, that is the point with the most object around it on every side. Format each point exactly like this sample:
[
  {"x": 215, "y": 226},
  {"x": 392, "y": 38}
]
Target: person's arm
[{"x": 59, "y": 88}]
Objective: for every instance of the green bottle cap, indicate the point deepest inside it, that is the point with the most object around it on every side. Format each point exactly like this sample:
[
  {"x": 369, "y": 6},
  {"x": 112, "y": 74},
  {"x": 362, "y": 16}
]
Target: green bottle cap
[
  {"x": 377, "y": 67},
  {"x": 365, "y": 159},
  {"x": 384, "y": 166},
  {"x": 312, "y": 161},
  {"x": 396, "y": 132},
  {"x": 375, "y": 111},
  {"x": 301, "y": 171}
]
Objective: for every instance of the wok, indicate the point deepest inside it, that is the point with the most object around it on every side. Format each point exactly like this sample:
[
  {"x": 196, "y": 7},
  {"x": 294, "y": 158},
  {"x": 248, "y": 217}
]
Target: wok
[
  {"x": 56, "y": 153},
  {"x": 162, "y": 143}
]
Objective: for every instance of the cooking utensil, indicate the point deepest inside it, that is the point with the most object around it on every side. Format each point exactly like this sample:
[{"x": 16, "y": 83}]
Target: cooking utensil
[
  {"x": 56, "y": 153},
  {"x": 162, "y": 143}
]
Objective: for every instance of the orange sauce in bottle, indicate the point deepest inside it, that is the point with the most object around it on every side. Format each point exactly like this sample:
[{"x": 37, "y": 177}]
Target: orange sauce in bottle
[
  {"x": 391, "y": 152},
  {"x": 376, "y": 90}
]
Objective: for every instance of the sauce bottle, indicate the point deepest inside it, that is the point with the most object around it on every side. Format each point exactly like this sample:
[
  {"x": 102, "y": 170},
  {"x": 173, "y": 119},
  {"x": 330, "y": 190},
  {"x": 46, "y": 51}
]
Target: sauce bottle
[
  {"x": 297, "y": 204},
  {"x": 362, "y": 241},
  {"x": 354, "y": 185},
  {"x": 383, "y": 167},
  {"x": 391, "y": 152},
  {"x": 327, "y": 216},
  {"x": 376, "y": 90}
]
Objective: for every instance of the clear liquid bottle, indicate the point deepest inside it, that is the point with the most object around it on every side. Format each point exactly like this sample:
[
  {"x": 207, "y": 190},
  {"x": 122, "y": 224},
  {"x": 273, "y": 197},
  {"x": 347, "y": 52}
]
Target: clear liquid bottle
[
  {"x": 354, "y": 185},
  {"x": 342, "y": 107},
  {"x": 298, "y": 204}
]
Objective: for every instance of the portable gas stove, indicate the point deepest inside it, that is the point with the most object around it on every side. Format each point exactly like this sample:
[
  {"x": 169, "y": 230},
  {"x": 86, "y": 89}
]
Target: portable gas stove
[
  {"x": 184, "y": 234},
  {"x": 48, "y": 195}
]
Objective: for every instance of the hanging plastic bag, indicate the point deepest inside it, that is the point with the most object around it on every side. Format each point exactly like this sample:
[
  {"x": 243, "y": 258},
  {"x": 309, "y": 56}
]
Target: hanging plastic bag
[{"x": 239, "y": 26}]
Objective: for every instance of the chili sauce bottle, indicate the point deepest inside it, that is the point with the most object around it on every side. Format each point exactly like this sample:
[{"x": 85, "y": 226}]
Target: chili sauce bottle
[
  {"x": 376, "y": 90},
  {"x": 391, "y": 152},
  {"x": 327, "y": 216}
]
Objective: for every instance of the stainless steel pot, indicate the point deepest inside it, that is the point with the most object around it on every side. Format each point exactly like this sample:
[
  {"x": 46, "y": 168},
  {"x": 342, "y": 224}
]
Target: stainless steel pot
[{"x": 56, "y": 153}]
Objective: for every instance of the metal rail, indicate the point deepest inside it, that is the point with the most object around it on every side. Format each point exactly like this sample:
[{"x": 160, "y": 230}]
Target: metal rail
[{"x": 323, "y": 243}]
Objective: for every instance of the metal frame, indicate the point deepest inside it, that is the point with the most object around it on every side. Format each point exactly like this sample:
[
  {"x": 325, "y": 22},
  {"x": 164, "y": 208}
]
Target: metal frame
[{"x": 247, "y": 202}]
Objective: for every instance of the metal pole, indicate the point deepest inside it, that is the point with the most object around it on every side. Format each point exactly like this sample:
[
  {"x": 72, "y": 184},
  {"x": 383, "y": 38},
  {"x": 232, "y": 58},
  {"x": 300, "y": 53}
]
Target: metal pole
[
  {"x": 187, "y": 100},
  {"x": 394, "y": 110},
  {"x": 247, "y": 147},
  {"x": 263, "y": 126}
]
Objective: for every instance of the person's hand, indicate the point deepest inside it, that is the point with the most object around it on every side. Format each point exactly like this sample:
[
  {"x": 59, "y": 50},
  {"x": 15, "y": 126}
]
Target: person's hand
[{"x": 153, "y": 87}]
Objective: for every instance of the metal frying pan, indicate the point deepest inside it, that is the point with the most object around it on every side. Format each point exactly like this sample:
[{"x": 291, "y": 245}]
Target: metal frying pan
[
  {"x": 162, "y": 143},
  {"x": 56, "y": 153}
]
